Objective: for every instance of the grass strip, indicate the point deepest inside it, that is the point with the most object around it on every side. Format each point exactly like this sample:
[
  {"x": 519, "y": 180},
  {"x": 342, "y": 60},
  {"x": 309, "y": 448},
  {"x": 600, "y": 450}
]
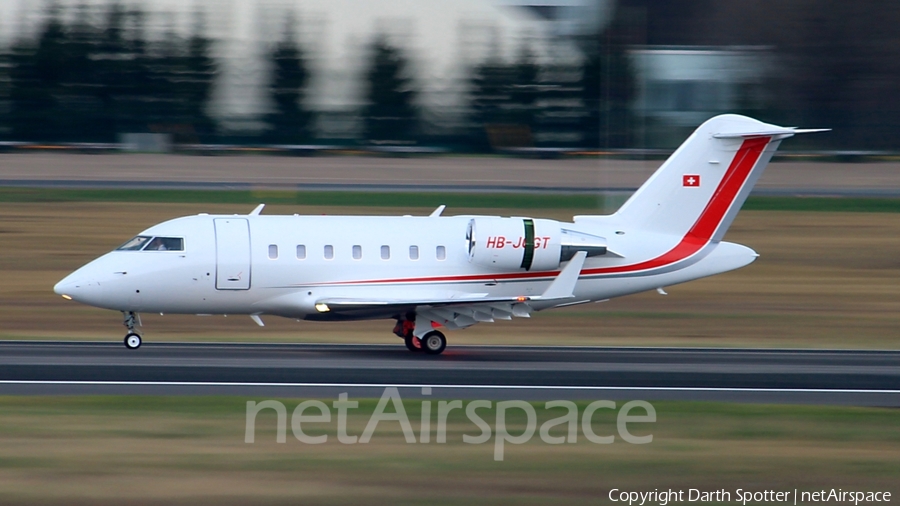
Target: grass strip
[
  {"x": 192, "y": 450},
  {"x": 323, "y": 198},
  {"x": 832, "y": 204}
]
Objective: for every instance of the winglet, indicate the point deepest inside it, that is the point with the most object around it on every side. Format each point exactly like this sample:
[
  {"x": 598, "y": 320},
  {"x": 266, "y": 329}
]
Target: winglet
[
  {"x": 437, "y": 212},
  {"x": 564, "y": 285},
  {"x": 258, "y": 210}
]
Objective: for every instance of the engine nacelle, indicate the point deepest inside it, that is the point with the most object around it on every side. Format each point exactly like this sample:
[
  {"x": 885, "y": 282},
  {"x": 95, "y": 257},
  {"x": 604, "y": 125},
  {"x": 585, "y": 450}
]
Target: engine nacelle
[{"x": 514, "y": 243}]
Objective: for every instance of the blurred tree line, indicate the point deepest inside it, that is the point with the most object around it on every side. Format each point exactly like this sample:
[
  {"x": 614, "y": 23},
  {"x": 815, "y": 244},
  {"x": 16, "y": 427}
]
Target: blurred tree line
[
  {"x": 88, "y": 83},
  {"x": 100, "y": 75},
  {"x": 510, "y": 104},
  {"x": 524, "y": 104},
  {"x": 289, "y": 121},
  {"x": 836, "y": 64}
]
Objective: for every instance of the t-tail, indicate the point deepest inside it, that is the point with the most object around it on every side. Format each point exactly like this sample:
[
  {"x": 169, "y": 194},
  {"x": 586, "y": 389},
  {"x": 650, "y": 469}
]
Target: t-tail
[{"x": 699, "y": 190}]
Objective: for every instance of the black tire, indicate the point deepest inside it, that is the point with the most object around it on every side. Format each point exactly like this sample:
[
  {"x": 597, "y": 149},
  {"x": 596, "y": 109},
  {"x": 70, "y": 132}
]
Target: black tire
[
  {"x": 132, "y": 341},
  {"x": 434, "y": 342},
  {"x": 413, "y": 343}
]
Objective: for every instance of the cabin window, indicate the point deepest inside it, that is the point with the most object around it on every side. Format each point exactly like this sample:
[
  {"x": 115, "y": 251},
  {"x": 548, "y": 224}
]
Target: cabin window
[
  {"x": 441, "y": 253},
  {"x": 357, "y": 252},
  {"x": 134, "y": 244},
  {"x": 165, "y": 244},
  {"x": 301, "y": 252},
  {"x": 273, "y": 252},
  {"x": 413, "y": 252},
  {"x": 385, "y": 252},
  {"x": 329, "y": 252}
]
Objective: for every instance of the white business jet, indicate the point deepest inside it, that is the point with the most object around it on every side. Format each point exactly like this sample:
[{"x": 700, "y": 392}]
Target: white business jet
[{"x": 442, "y": 271}]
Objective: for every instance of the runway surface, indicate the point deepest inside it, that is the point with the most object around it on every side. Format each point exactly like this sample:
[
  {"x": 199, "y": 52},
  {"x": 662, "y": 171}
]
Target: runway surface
[{"x": 465, "y": 372}]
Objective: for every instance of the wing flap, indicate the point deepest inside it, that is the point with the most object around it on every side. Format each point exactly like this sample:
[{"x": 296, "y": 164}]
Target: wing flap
[
  {"x": 337, "y": 304},
  {"x": 452, "y": 313}
]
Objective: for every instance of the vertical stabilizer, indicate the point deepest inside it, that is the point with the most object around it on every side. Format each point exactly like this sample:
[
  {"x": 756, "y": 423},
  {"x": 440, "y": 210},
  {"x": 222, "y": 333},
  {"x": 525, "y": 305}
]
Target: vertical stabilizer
[{"x": 698, "y": 191}]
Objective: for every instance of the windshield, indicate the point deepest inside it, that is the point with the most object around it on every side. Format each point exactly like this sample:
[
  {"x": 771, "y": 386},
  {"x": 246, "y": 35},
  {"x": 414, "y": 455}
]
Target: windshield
[
  {"x": 165, "y": 244},
  {"x": 146, "y": 243},
  {"x": 134, "y": 244}
]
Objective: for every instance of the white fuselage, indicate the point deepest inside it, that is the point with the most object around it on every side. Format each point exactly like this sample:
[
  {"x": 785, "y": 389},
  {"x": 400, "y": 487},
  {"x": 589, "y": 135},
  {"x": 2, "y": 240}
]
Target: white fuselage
[{"x": 365, "y": 256}]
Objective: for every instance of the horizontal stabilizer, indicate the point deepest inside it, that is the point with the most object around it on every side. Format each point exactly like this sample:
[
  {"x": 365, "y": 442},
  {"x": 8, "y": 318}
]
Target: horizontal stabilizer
[
  {"x": 786, "y": 132},
  {"x": 563, "y": 286}
]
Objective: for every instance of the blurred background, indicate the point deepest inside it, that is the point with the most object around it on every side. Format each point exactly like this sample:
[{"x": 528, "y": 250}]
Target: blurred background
[
  {"x": 609, "y": 85},
  {"x": 433, "y": 76}
]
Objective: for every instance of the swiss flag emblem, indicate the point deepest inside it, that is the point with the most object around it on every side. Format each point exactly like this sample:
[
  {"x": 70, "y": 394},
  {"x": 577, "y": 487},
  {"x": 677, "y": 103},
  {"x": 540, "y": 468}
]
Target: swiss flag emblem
[{"x": 690, "y": 180}]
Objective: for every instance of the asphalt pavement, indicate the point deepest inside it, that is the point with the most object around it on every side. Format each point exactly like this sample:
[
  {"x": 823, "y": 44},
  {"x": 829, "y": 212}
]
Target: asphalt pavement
[{"x": 466, "y": 372}]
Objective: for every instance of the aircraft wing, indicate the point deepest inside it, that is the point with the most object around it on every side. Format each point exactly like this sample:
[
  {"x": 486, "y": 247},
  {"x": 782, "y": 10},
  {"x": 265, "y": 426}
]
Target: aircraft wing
[
  {"x": 452, "y": 312},
  {"x": 456, "y": 311}
]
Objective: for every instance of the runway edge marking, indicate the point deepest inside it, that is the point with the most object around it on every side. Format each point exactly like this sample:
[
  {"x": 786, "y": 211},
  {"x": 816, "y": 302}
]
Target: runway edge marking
[{"x": 426, "y": 385}]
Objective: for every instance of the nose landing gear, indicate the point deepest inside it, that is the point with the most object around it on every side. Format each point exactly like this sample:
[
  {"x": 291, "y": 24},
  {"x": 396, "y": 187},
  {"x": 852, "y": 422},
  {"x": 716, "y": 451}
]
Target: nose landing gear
[{"x": 132, "y": 339}]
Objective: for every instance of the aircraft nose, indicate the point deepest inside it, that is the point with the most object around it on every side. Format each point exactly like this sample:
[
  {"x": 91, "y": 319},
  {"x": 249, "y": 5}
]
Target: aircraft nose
[
  {"x": 91, "y": 284},
  {"x": 67, "y": 287}
]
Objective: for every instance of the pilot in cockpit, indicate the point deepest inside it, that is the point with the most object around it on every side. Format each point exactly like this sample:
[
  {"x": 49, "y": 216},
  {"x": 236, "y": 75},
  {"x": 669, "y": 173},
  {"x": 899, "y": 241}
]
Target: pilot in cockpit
[{"x": 156, "y": 244}]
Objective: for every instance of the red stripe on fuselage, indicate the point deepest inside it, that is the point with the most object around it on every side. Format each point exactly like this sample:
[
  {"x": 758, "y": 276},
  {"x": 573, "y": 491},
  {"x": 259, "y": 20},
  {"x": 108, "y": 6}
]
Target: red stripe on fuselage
[
  {"x": 702, "y": 231},
  {"x": 696, "y": 238}
]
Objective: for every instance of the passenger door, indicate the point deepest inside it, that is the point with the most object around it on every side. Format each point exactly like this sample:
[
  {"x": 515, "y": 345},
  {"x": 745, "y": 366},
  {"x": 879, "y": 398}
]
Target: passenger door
[{"x": 232, "y": 254}]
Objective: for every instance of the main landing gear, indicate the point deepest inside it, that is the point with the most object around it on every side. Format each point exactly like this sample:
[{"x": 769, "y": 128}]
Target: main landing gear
[
  {"x": 432, "y": 343},
  {"x": 132, "y": 339},
  {"x": 413, "y": 343}
]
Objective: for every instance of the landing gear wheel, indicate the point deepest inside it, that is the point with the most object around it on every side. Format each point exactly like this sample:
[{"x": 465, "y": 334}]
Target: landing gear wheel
[
  {"x": 413, "y": 343},
  {"x": 434, "y": 342},
  {"x": 132, "y": 341},
  {"x": 132, "y": 338}
]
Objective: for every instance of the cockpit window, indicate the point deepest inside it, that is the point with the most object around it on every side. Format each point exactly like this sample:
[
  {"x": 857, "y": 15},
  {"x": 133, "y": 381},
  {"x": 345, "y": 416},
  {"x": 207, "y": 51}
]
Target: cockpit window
[
  {"x": 165, "y": 244},
  {"x": 146, "y": 243},
  {"x": 134, "y": 244}
]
